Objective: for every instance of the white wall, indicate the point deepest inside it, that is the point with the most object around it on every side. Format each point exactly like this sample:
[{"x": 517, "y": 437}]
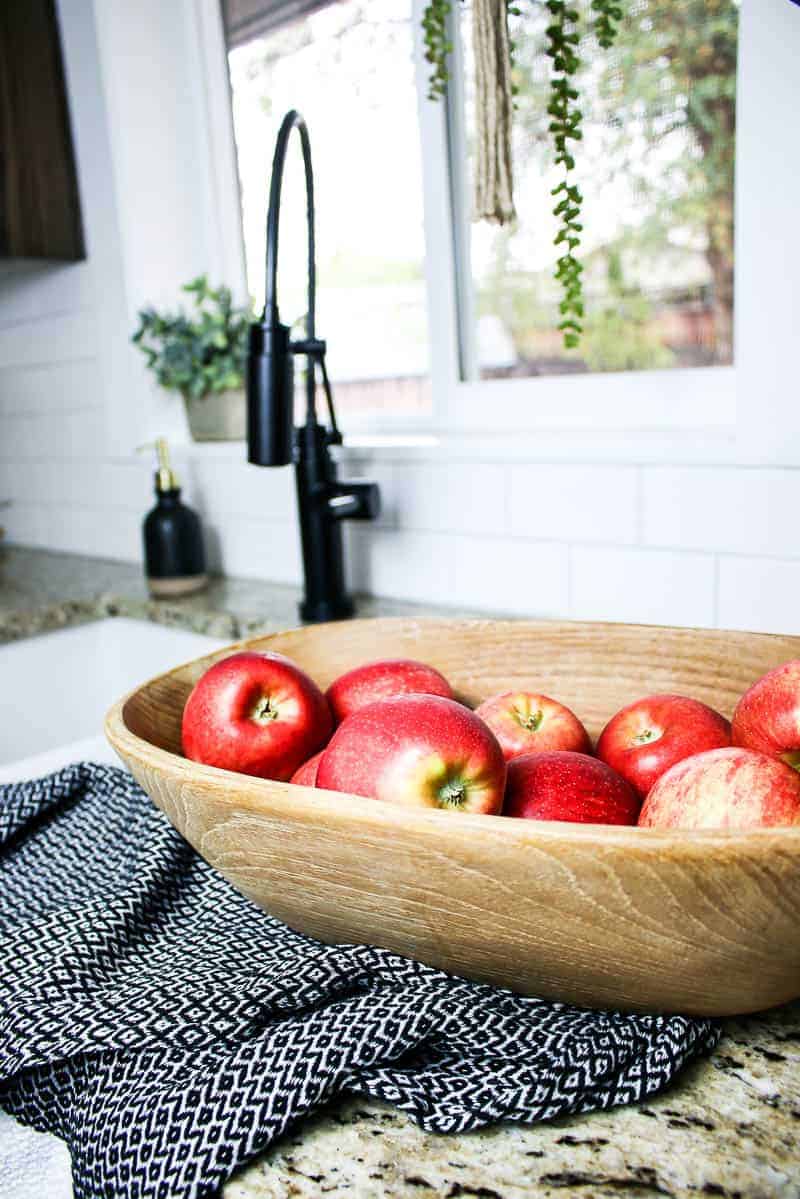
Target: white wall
[
  {"x": 75, "y": 398},
  {"x": 56, "y": 326},
  {"x": 685, "y": 529}
]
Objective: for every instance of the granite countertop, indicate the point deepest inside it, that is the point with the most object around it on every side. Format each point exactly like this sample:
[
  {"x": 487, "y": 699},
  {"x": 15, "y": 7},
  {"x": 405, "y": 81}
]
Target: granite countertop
[
  {"x": 729, "y": 1126},
  {"x": 41, "y": 591}
]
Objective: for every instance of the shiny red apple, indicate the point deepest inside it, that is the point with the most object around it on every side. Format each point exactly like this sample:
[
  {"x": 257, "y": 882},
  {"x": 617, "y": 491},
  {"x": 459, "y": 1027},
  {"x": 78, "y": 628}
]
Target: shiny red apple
[
  {"x": 767, "y": 717},
  {"x": 257, "y": 714},
  {"x": 525, "y": 722},
  {"x": 647, "y": 737},
  {"x": 306, "y": 775},
  {"x": 382, "y": 679},
  {"x": 732, "y": 788},
  {"x": 562, "y": 785},
  {"x": 417, "y": 750}
]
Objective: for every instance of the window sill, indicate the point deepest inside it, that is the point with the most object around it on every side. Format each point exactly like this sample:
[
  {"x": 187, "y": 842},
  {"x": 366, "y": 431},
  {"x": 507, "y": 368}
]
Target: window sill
[
  {"x": 647, "y": 417},
  {"x": 676, "y": 446}
]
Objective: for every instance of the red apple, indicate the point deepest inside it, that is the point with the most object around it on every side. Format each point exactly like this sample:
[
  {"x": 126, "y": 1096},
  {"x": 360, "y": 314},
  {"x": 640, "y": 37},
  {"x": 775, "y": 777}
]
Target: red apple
[
  {"x": 562, "y": 785},
  {"x": 730, "y": 788},
  {"x": 306, "y": 776},
  {"x": 257, "y": 714},
  {"x": 417, "y": 750},
  {"x": 380, "y": 680},
  {"x": 646, "y": 738},
  {"x": 525, "y": 723},
  {"x": 767, "y": 717}
]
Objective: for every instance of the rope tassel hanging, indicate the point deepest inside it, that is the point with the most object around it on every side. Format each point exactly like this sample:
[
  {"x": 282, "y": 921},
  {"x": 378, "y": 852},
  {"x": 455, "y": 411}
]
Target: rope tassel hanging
[{"x": 494, "y": 181}]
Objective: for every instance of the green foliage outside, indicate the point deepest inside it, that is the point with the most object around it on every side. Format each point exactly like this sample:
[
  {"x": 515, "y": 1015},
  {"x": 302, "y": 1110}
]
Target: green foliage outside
[
  {"x": 665, "y": 98},
  {"x": 199, "y": 353}
]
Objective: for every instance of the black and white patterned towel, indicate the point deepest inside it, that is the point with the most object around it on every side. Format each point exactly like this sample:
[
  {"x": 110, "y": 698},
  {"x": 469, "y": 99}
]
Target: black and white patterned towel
[{"x": 168, "y": 1029}]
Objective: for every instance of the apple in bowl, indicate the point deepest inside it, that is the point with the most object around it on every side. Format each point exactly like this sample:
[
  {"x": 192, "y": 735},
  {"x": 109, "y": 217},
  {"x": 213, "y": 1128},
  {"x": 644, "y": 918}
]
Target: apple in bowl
[
  {"x": 646, "y": 738},
  {"x": 306, "y": 775},
  {"x": 372, "y": 681},
  {"x": 256, "y": 713},
  {"x": 767, "y": 717},
  {"x": 563, "y": 785},
  {"x": 525, "y": 722},
  {"x": 733, "y": 788},
  {"x": 418, "y": 751}
]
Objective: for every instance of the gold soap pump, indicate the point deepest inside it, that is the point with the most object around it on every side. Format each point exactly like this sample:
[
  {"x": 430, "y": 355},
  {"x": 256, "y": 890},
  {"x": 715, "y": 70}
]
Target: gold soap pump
[{"x": 174, "y": 552}]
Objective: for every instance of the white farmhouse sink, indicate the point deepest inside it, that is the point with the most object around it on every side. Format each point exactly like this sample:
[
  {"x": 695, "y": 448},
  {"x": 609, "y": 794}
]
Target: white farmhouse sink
[{"x": 55, "y": 689}]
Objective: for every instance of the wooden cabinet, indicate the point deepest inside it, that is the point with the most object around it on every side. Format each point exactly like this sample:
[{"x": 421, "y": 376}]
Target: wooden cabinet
[{"x": 40, "y": 214}]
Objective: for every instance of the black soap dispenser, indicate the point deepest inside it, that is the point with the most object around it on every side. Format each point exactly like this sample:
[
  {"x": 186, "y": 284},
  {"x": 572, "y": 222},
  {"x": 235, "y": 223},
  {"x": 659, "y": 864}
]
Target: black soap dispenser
[{"x": 174, "y": 554}]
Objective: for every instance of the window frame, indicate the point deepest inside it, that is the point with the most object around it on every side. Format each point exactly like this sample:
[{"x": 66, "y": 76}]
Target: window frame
[{"x": 679, "y": 399}]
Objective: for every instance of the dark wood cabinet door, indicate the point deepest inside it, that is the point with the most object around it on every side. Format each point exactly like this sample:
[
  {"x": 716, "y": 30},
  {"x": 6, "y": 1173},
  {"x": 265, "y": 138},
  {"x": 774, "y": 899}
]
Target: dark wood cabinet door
[{"x": 40, "y": 214}]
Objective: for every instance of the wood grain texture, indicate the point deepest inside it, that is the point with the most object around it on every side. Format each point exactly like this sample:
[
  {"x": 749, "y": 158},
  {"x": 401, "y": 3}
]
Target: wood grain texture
[
  {"x": 700, "y": 922},
  {"x": 40, "y": 214}
]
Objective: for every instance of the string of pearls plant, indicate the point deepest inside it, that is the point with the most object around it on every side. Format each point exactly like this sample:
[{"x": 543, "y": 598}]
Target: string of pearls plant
[{"x": 564, "y": 35}]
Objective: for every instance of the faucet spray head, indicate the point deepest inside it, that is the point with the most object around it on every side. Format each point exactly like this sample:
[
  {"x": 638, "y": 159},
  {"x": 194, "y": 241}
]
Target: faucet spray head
[{"x": 270, "y": 394}]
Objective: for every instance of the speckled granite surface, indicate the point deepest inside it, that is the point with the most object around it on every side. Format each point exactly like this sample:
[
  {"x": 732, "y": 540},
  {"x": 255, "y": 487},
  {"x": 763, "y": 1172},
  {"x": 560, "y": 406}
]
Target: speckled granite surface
[
  {"x": 729, "y": 1127},
  {"x": 40, "y": 591}
]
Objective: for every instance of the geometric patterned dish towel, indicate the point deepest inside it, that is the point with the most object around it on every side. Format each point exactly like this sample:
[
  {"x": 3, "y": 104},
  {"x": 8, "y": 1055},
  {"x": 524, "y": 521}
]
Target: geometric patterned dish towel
[{"x": 168, "y": 1029}]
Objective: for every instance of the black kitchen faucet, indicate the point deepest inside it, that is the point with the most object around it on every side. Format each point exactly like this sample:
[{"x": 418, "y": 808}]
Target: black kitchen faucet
[{"x": 324, "y": 500}]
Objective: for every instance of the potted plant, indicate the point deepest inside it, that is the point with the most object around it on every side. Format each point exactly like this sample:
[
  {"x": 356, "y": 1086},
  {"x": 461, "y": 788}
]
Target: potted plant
[{"x": 201, "y": 355}]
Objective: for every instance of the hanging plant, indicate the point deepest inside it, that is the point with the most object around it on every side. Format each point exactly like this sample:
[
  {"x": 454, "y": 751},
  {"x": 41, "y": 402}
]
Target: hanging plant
[
  {"x": 438, "y": 46},
  {"x": 563, "y": 49}
]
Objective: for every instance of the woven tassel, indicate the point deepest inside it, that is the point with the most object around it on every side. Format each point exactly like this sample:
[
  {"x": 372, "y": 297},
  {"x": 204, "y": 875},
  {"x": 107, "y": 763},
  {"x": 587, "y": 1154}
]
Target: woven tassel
[{"x": 494, "y": 182}]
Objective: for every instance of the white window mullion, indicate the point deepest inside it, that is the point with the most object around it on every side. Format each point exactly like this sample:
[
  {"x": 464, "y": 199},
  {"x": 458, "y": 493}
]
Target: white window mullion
[
  {"x": 461, "y": 203},
  {"x": 440, "y": 264}
]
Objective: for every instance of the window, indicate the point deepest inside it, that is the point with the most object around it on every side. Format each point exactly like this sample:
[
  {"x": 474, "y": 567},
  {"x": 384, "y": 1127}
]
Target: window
[
  {"x": 349, "y": 70},
  {"x": 656, "y": 167},
  {"x": 411, "y": 291}
]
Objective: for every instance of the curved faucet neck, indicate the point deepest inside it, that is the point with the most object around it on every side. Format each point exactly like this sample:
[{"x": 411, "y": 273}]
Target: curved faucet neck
[{"x": 292, "y": 120}]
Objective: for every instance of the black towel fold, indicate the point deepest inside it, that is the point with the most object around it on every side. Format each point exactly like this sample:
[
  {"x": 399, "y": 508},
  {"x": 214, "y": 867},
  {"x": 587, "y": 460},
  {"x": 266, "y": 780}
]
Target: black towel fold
[{"x": 168, "y": 1029}]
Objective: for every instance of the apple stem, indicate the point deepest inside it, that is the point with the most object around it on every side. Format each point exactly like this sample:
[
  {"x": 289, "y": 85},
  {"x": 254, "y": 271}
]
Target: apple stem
[
  {"x": 530, "y": 722},
  {"x": 792, "y": 758},
  {"x": 263, "y": 711},
  {"x": 452, "y": 794}
]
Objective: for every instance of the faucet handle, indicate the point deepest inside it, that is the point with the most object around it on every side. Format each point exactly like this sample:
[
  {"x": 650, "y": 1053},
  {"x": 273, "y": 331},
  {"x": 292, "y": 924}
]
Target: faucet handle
[{"x": 354, "y": 499}]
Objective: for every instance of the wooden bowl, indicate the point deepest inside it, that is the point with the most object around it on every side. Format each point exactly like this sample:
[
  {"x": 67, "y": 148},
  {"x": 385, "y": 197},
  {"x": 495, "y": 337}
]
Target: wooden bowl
[{"x": 696, "y": 922}]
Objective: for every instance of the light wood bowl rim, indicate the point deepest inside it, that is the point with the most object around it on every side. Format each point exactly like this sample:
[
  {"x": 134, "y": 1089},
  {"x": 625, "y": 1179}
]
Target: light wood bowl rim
[{"x": 258, "y": 794}]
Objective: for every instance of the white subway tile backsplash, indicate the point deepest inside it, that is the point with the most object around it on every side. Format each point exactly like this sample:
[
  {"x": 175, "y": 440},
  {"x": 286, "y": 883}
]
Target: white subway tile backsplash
[
  {"x": 729, "y": 510},
  {"x": 66, "y": 335},
  {"x": 100, "y": 532},
  {"x": 642, "y": 586},
  {"x": 50, "y": 386},
  {"x": 236, "y": 488},
  {"x": 526, "y": 540},
  {"x": 760, "y": 594},
  {"x": 255, "y": 549},
  {"x": 67, "y": 435},
  {"x": 481, "y": 573},
  {"x": 524, "y": 578},
  {"x": 116, "y": 484},
  {"x": 407, "y": 565},
  {"x": 105, "y": 532},
  {"x": 90, "y": 483},
  {"x": 451, "y": 497},
  {"x": 574, "y": 503},
  {"x": 26, "y": 524}
]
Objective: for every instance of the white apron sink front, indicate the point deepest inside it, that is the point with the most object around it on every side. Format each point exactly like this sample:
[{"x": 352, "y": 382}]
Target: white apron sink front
[{"x": 55, "y": 689}]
